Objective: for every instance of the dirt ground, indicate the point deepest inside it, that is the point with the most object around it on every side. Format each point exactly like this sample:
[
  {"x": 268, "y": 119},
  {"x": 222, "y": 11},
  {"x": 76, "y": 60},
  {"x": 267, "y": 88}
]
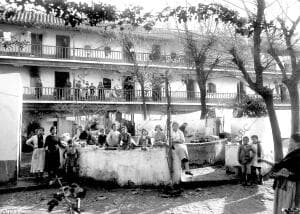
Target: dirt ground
[{"x": 228, "y": 199}]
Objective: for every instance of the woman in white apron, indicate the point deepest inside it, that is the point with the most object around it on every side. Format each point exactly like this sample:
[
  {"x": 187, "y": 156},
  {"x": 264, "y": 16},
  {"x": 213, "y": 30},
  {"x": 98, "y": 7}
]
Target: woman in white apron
[{"x": 38, "y": 156}]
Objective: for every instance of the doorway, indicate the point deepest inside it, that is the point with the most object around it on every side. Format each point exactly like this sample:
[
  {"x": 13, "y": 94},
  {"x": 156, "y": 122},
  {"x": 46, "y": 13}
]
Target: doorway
[
  {"x": 61, "y": 79},
  {"x": 241, "y": 91},
  {"x": 36, "y": 44},
  {"x": 62, "y": 47},
  {"x": 190, "y": 88},
  {"x": 128, "y": 88}
]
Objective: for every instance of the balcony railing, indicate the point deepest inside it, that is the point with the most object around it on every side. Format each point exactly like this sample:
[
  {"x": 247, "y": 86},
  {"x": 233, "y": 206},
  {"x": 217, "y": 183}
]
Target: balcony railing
[
  {"x": 131, "y": 96},
  {"x": 83, "y": 54}
]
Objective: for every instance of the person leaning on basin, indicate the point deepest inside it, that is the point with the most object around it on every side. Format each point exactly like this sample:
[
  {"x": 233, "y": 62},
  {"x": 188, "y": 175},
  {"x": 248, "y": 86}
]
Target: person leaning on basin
[
  {"x": 113, "y": 138},
  {"x": 178, "y": 142}
]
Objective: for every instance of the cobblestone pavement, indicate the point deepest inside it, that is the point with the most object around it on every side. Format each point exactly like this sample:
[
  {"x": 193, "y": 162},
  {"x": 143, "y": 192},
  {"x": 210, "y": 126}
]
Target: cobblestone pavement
[{"x": 228, "y": 199}]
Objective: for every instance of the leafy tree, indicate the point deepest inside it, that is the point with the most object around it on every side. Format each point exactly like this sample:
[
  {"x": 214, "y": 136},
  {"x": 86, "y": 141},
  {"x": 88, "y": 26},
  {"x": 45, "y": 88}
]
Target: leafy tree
[
  {"x": 280, "y": 40},
  {"x": 199, "y": 47},
  {"x": 252, "y": 27},
  {"x": 145, "y": 77}
]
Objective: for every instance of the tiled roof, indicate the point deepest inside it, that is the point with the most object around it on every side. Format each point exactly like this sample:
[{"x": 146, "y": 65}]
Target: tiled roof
[
  {"x": 34, "y": 19},
  {"x": 39, "y": 19}
]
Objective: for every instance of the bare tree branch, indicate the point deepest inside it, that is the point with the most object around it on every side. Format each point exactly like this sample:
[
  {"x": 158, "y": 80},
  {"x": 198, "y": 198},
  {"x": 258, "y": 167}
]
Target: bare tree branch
[
  {"x": 241, "y": 65},
  {"x": 288, "y": 34}
]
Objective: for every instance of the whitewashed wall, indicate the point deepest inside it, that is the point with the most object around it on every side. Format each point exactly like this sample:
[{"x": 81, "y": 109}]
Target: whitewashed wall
[{"x": 10, "y": 124}]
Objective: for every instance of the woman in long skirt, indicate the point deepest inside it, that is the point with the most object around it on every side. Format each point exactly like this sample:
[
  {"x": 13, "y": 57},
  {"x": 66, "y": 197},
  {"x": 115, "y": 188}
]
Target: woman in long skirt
[
  {"x": 287, "y": 183},
  {"x": 52, "y": 153},
  {"x": 38, "y": 156}
]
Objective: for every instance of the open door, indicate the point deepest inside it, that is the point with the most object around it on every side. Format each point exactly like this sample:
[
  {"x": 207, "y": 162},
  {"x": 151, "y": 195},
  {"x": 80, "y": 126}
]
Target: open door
[
  {"x": 61, "y": 79},
  {"x": 62, "y": 47}
]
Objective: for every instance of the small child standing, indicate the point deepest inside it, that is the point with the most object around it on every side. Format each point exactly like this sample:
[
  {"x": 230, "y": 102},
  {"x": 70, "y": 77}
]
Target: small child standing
[
  {"x": 256, "y": 163},
  {"x": 71, "y": 166},
  {"x": 245, "y": 155}
]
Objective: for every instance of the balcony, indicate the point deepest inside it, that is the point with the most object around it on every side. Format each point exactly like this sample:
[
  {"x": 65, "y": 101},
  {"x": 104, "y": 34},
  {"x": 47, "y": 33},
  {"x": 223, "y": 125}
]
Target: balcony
[
  {"x": 98, "y": 55},
  {"x": 120, "y": 96}
]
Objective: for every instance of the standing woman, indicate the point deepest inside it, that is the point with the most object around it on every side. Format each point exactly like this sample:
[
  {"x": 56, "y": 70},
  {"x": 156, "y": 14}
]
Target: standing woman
[
  {"x": 52, "y": 153},
  {"x": 38, "y": 156},
  {"x": 287, "y": 178},
  {"x": 178, "y": 141}
]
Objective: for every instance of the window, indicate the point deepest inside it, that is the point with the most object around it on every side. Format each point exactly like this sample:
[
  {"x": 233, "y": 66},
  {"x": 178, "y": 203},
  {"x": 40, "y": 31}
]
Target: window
[
  {"x": 107, "y": 83},
  {"x": 36, "y": 43},
  {"x": 211, "y": 88},
  {"x": 107, "y": 50},
  {"x": 173, "y": 56},
  {"x": 155, "y": 52}
]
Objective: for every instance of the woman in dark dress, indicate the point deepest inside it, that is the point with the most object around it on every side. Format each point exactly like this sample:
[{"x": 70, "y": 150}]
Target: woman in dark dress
[{"x": 52, "y": 153}]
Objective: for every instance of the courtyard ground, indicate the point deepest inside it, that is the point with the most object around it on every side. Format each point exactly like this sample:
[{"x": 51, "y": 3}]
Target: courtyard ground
[{"x": 228, "y": 199}]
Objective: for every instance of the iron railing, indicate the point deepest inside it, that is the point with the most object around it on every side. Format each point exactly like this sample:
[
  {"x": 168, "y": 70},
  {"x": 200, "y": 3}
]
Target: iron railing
[
  {"x": 101, "y": 55},
  {"x": 121, "y": 95}
]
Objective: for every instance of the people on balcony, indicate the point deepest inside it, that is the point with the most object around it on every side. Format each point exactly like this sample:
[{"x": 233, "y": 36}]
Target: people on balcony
[
  {"x": 85, "y": 91},
  {"x": 101, "y": 95},
  {"x": 77, "y": 90},
  {"x": 113, "y": 138},
  {"x": 68, "y": 87},
  {"x": 92, "y": 90}
]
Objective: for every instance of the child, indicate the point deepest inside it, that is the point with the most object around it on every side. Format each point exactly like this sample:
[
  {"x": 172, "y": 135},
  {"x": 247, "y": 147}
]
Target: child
[
  {"x": 256, "y": 163},
  {"x": 145, "y": 140},
  {"x": 245, "y": 155},
  {"x": 125, "y": 138},
  {"x": 71, "y": 167},
  {"x": 102, "y": 138}
]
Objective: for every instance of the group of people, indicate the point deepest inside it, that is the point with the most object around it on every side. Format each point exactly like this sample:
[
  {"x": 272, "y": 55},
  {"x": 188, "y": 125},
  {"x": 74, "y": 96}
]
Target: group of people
[
  {"x": 58, "y": 156},
  {"x": 123, "y": 140},
  {"x": 83, "y": 91},
  {"x": 250, "y": 156},
  {"x": 48, "y": 157}
]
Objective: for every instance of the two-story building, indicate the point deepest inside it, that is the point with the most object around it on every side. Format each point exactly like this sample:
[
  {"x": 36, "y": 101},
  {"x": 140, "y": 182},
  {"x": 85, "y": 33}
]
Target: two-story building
[{"x": 69, "y": 72}]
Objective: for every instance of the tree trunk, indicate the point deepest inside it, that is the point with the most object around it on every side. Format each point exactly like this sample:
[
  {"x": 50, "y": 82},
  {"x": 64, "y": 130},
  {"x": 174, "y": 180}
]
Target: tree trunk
[
  {"x": 295, "y": 113},
  {"x": 201, "y": 80},
  {"x": 278, "y": 154},
  {"x": 144, "y": 107},
  {"x": 170, "y": 156},
  {"x": 203, "y": 102}
]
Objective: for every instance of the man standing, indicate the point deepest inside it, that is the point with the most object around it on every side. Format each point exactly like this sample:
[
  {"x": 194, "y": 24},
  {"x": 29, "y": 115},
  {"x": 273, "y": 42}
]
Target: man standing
[
  {"x": 68, "y": 86},
  {"x": 77, "y": 90},
  {"x": 113, "y": 138},
  {"x": 178, "y": 141}
]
